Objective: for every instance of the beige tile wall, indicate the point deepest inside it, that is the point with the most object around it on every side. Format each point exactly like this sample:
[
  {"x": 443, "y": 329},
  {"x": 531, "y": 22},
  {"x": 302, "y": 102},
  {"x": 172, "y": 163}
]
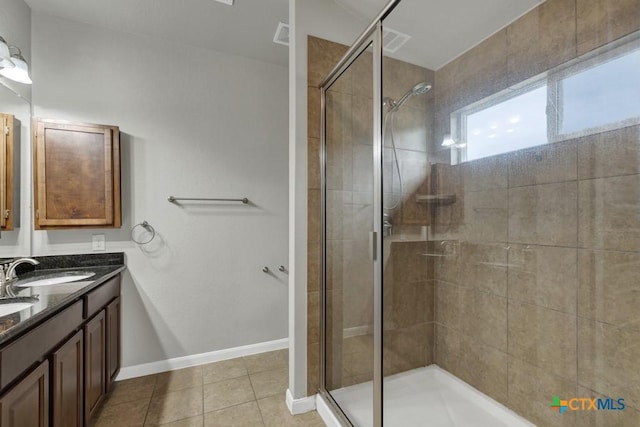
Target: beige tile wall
[
  {"x": 322, "y": 56},
  {"x": 408, "y": 285},
  {"x": 538, "y": 293},
  {"x": 545, "y": 301}
]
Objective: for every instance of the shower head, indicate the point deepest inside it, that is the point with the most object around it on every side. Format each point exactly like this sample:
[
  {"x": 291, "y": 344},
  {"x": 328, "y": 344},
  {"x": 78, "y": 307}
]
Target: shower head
[{"x": 419, "y": 89}]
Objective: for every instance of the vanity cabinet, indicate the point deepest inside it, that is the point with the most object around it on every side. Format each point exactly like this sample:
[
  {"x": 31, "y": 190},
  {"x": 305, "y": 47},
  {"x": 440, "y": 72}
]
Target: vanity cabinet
[
  {"x": 76, "y": 175},
  {"x": 27, "y": 403},
  {"x": 9, "y": 172},
  {"x": 76, "y": 354}
]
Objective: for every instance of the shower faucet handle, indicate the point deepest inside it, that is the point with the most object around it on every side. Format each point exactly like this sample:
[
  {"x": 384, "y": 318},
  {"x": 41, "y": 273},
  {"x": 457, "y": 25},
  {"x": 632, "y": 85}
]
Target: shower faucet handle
[{"x": 387, "y": 225}]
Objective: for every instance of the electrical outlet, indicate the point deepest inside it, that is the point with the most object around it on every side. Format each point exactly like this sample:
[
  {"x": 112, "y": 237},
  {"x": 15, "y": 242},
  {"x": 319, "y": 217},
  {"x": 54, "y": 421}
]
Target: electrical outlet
[{"x": 98, "y": 242}]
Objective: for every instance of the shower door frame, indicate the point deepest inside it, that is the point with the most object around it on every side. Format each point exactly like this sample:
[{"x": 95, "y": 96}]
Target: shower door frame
[{"x": 372, "y": 36}]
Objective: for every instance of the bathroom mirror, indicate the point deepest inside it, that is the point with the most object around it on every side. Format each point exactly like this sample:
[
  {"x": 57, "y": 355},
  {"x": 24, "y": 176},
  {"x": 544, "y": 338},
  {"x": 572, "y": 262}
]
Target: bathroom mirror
[{"x": 15, "y": 108}]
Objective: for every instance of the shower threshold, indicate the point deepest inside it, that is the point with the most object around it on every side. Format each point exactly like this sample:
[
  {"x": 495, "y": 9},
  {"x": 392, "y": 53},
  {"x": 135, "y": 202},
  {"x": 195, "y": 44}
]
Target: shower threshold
[{"x": 428, "y": 396}]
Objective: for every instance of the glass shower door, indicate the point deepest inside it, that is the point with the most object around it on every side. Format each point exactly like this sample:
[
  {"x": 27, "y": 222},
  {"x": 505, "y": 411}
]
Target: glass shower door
[
  {"x": 408, "y": 252},
  {"x": 348, "y": 294}
]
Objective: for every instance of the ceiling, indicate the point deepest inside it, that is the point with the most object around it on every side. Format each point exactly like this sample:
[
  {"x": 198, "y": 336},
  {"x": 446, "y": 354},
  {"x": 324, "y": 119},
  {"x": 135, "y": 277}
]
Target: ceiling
[
  {"x": 440, "y": 30},
  {"x": 245, "y": 29}
]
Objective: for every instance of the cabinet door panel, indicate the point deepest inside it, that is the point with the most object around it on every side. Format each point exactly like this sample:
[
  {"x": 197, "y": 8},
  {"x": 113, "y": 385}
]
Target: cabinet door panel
[
  {"x": 77, "y": 175},
  {"x": 94, "y": 370},
  {"x": 67, "y": 381},
  {"x": 113, "y": 341},
  {"x": 27, "y": 403}
]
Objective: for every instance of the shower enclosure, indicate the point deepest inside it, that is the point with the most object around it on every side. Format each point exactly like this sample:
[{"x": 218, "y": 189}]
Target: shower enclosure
[{"x": 480, "y": 199}]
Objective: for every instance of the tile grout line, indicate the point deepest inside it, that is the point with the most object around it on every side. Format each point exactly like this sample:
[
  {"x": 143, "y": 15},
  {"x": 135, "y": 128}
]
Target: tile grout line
[
  {"x": 244, "y": 362},
  {"x": 146, "y": 415},
  {"x": 202, "y": 392}
]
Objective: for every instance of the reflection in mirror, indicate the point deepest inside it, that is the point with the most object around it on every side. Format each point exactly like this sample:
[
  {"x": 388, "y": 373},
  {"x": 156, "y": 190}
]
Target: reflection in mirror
[
  {"x": 15, "y": 114},
  {"x": 9, "y": 168}
]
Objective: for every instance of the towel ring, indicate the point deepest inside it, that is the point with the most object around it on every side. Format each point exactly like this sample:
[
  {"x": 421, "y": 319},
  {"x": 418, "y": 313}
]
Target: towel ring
[{"x": 146, "y": 226}]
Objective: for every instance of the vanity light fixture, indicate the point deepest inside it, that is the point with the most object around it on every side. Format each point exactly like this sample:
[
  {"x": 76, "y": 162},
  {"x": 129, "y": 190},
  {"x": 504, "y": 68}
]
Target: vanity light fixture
[
  {"x": 5, "y": 55},
  {"x": 20, "y": 71},
  {"x": 229, "y": 2}
]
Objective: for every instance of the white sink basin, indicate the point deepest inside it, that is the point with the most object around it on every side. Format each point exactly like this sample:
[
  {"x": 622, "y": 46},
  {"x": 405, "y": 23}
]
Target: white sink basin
[
  {"x": 13, "y": 307},
  {"x": 54, "y": 279}
]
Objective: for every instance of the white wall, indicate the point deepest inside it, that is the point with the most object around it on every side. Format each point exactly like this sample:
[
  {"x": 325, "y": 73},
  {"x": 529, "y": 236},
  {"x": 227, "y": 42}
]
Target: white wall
[
  {"x": 15, "y": 28},
  {"x": 194, "y": 123},
  {"x": 327, "y": 20}
]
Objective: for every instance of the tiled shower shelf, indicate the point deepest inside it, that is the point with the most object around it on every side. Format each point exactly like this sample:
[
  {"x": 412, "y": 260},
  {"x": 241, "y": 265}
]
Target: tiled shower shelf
[{"x": 436, "y": 199}]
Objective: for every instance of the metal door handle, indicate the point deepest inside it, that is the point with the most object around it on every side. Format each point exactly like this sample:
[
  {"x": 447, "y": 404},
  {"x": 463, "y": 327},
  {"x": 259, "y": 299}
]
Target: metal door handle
[{"x": 373, "y": 245}]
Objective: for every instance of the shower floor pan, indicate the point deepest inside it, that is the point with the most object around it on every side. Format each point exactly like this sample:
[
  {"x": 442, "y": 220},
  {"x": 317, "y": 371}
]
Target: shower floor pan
[{"x": 430, "y": 397}]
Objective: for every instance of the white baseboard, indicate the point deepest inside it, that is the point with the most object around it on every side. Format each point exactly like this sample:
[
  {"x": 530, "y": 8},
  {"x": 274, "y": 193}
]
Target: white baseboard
[
  {"x": 300, "y": 406},
  {"x": 199, "y": 359},
  {"x": 325, "y": 413}
]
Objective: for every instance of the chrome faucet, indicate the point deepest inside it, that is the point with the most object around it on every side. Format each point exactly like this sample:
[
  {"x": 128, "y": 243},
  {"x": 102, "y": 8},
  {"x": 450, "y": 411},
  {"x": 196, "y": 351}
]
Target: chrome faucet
[
  {"x": 10, "y": 269},
  {"x": 8, "y": 274}
]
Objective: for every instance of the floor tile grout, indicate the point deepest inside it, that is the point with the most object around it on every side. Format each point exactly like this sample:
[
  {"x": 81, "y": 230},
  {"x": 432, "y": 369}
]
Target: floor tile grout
[
  {"x": 255, "y": 398},
  {"x": 146, "y": 414},
  {"x": 161, "y": 387}
]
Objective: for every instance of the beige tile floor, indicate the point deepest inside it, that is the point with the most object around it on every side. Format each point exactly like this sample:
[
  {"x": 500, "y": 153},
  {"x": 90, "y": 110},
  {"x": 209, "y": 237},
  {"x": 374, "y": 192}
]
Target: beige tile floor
[{"x": 248, "y": 391}]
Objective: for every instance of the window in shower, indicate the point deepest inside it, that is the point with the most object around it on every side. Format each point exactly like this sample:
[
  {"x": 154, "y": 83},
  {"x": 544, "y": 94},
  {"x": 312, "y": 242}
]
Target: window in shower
[
  {"x": 592, "y": 95},
  {"x": 510, "y": 124},
  {"x": 595, "y": 96}
]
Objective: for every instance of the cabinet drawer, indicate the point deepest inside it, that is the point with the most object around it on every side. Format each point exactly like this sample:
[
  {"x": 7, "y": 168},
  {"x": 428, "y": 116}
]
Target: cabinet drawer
[
  {"x": 100, "y": 297},
  {"x": 18, "y": 356}
]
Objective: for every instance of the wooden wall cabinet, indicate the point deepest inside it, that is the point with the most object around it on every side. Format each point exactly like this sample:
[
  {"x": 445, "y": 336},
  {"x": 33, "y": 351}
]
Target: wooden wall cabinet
[
  {"x": 9, "y": 172},
  {"x": 76, "y": 175}
]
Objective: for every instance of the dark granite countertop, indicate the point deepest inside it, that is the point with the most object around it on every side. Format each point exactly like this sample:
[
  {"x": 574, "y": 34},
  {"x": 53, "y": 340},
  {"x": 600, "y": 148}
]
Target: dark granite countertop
[{"x": 51, "y": 299}]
